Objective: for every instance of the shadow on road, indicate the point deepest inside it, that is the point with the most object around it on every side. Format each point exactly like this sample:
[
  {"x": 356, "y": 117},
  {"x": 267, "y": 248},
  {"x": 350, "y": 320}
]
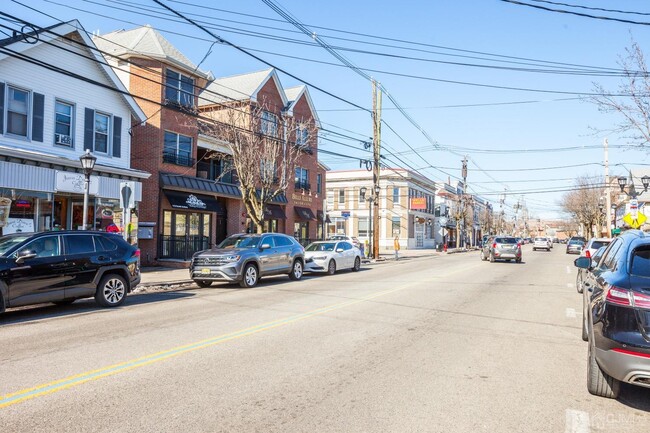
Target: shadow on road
[
  {"x": 81, "y": 307},
  {"x": 635, "y": 397}
]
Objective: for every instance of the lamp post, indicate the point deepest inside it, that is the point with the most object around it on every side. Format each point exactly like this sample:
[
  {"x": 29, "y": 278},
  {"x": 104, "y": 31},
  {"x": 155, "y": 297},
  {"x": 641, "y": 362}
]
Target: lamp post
[
  {"x": 87, "y": 165},
  {"x": 622, "y": 183}
]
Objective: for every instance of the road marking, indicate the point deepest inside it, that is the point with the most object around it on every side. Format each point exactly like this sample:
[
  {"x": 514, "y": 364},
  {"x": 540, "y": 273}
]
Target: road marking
[
  {"x": 570, "y": 285},
  {"x": 568, "y": 269},
  {"x": 571, "y": 313},
  {"x": 577, "y": 421},
  {"x": 71, "y": 381}
]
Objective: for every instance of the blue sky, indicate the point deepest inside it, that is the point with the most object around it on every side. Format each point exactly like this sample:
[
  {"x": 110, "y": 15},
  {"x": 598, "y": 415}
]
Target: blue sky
[{"x": 493, "y": 136}]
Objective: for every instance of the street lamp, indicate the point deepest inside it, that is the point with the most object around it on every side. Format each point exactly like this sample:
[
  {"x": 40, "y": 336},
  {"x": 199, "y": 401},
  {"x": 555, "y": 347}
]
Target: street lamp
[
  {"x": 622, "y": 183},
  {"x": 87, "y": 165}
]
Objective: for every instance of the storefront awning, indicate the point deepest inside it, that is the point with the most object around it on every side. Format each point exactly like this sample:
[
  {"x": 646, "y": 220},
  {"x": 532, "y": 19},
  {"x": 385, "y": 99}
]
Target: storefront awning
[
  {"x": 273, "y": 211},
  {"x": 304, "y": 213},
  {"x": 319, "y": 215},
  {"x": 189, "y": 201}
]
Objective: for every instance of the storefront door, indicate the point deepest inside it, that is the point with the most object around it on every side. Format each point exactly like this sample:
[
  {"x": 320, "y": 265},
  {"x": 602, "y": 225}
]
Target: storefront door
[{"x": 184, "y": 234}]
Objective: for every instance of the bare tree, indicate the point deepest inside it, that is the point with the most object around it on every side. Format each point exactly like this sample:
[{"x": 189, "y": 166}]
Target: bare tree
[
  {"x": 582, "y": 202},
  {"x": 635, "y": 108},
  {"x": 265, "y": 151}
]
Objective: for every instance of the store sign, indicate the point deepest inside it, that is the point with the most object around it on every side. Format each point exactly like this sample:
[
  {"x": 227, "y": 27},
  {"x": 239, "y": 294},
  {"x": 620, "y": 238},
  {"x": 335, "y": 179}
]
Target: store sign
[
  {"x": 193, "y": 202},
  {"x": 74, "y": 182},
  {"x": 302, "y": 199},
  {"x": 418, "y": 203}
]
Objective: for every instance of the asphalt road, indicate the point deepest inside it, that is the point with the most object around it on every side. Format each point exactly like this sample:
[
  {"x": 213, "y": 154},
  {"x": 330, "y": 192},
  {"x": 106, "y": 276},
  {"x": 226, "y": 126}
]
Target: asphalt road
[{"x": 442, "y": 344}]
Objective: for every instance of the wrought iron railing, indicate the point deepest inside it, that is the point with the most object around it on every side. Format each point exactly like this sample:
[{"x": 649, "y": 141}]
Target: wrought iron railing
[
  {"x": 178, "y": 159},
  {"x": 182, "y": 247}
]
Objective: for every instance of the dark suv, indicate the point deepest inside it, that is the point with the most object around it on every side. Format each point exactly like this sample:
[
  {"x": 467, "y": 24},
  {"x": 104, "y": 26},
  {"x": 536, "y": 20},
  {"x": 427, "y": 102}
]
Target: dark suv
[
  {"x": 63, "y": 266},
  {"x": 617, "y": 314}
]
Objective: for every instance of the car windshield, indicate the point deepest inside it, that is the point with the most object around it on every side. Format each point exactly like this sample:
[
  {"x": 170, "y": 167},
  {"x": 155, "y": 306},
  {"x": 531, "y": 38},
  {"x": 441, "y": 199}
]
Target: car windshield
[
  {"x": 325, "y": 246},
  {"x": 8, "y": 242},
  {"x": 240, "y": 242},
  {"x": 540, "y": 239},
  {"x": 575, "y": 242},
  {"x": 505, "y": 240}
]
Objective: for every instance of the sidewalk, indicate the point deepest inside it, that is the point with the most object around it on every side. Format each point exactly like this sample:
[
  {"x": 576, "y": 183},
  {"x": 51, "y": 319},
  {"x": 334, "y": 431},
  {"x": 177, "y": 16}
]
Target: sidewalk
[{"x": 159, "y": 276}]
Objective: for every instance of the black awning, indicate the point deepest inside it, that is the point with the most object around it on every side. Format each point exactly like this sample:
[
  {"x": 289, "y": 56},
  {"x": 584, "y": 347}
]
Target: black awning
[
  {"x": 319, "y": 216},
  {"x": 189, "y": 201},
  {"x": 273, "y": 211},
  {"x": 304, "y": 213}
]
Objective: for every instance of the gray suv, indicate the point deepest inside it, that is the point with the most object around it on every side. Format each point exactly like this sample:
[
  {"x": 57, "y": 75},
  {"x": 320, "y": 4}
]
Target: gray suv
[{"x": 245, "y": 258}]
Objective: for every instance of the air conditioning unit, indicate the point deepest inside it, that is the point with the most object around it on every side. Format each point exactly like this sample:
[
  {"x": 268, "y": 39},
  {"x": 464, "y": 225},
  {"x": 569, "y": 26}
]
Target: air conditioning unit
[{"x": 63, "y": 139}]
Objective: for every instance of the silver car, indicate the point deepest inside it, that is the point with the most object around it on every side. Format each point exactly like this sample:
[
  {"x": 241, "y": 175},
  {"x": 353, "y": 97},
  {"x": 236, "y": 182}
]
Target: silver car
[
  {"x": 245, "y": 258},
  {"x": 330, "y": 256}
]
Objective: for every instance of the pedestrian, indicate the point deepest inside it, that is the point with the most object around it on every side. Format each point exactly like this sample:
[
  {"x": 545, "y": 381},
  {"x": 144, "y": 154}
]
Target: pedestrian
[
  {"x": 367, "y": 248},
  {"x": 396, "y": 247}
]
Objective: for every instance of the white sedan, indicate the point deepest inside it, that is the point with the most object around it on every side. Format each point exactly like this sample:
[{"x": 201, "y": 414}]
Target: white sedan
[{"x": 330, "y": 256}]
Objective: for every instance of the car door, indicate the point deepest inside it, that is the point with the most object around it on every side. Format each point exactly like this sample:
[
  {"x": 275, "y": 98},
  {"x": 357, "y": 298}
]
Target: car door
[
  {"x": 84, "y": 260},
  {"x": 283, "y": 247},
  {"x": 267, "y": 256},
  {"x": 41, "y": 278},
  {"x": 347, "y": 255}
]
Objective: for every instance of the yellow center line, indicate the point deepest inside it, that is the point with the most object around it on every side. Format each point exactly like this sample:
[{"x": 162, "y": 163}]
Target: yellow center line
[{"x": 72, "y": 381}]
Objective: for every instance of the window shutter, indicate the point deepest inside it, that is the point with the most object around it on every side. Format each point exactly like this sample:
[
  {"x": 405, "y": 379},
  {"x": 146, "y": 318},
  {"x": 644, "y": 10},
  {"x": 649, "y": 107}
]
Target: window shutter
[
  {"x": 37, "y": 117},
  {"x": 117, "y": 137},
  {"x": 2, "y": 108},
  {"x": 89, "y": 129}
]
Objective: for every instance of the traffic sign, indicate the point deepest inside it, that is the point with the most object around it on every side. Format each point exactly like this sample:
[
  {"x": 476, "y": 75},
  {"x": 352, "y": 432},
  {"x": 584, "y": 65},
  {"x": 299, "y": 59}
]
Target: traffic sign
[{"x": 637, "y": 222}]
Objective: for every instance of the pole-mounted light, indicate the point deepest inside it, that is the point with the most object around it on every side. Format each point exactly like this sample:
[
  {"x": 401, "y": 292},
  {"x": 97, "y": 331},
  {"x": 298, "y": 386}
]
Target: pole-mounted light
[{"x": 87, "y": 165}]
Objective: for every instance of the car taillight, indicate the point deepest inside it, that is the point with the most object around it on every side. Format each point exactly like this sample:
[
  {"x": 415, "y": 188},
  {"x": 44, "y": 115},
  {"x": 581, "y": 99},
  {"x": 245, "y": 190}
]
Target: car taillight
[
  {"x": 494, "y": 245},
  {"x": 627, "y": 298},
  {"x": 519, "y": 245},
  {"x": 136, "y": 253},
  {"x": 588, "y": 254}
]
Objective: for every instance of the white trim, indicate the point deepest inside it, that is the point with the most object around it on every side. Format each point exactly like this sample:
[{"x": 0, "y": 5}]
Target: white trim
[
  {"x": 278, "y": 86},
  {"x": 304, "y": 92}
]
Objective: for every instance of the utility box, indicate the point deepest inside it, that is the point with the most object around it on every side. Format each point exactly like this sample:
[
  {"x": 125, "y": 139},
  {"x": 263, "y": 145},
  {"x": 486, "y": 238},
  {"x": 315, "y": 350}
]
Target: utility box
[{"x": 145, "y": 230}]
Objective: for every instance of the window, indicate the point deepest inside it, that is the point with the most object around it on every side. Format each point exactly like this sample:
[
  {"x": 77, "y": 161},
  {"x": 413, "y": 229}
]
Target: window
[
  {"x": 179, "y": 89},
  {"x": 44, "y": 247},
  {"x": 268, "y": 171},
  {"x": 319, "y": 182},
  {"x": 178, "y": 149},
  {"x": 79, "y": 244},
  {"x": 101, "y": 132},
  {"x": 302, "y": 178},
  {"x": 341, "y": 196},
  {"x": 395, "y": 196},
  {"x": 269, "y": 124},
  {"x": 282, "y": 241},
  {"x": 641, "y": 262},
  {"x": 104, "y": 244},
  {"x": 362, "y": 197},
  {"x": 17, "y": 111},
  {"x": 63, "y": 113},
  {"x": 302, "y": 136},
  {"x": 396, "y": 225},
  {"x": 363, "y": 227}
]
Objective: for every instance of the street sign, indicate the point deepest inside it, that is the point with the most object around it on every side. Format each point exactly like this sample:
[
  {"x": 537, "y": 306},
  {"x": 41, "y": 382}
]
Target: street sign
[
  {"x": 345, "y": 214},
  {"x": 634, "y": 207},
  {"x": 127, "y": 195},
  {"x": 635, "y": 223}
]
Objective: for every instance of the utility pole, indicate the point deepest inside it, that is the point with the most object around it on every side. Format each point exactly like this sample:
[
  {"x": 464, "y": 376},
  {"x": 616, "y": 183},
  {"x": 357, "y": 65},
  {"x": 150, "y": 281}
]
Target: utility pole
[
  {"x": 376, "y": 146},
  {"x": 608, "y": 197},
  {"x": 464, "y": 200}
]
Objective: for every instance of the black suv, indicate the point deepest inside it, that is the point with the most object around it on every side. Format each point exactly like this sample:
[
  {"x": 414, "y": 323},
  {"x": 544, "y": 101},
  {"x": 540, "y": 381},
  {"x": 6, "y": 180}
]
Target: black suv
[
  {"x": 617, "y": 314},
  {"x": 62, "y": 266}
]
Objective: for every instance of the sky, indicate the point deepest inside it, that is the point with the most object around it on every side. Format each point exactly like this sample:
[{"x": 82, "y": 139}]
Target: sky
[{"x": 446, "y": 63}]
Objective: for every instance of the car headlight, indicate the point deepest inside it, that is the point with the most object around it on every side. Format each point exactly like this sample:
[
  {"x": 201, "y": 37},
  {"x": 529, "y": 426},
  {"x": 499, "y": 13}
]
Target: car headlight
[
  {"x": 231, "y": 259},
  {"x": 319, "y": 257}
]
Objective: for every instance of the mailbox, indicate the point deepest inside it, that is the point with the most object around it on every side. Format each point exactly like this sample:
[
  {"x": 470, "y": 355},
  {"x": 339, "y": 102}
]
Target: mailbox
[{"x": 145, "y": 230}]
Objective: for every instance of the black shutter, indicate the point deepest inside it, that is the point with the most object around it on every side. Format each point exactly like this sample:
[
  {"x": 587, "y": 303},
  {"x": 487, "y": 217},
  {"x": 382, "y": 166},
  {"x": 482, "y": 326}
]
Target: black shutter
[
  {"x": 89, "y": 129},
  {"x": 37, "y": 117},
  {"x": 117, "y": 136},
  {"x": 2, "y": 108}
]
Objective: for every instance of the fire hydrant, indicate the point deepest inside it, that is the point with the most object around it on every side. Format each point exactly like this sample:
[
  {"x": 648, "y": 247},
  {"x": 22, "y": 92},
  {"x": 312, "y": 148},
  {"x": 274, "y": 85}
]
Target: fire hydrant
[{"x": 444, "y": 248}]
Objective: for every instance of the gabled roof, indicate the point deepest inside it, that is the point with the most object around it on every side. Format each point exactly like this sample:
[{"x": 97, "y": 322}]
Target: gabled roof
[
  {"x": 240, "y": 88},
  {"x": 293, "y": 96},
  {"x": 53, "y": 32},
  {"x": 146, "y": 41}
]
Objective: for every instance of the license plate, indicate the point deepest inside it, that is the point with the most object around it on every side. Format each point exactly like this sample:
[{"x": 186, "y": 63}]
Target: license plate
[{"x": 205, "y": 271}]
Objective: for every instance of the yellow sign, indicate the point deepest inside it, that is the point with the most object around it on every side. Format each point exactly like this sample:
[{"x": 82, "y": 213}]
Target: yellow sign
[{"x": 635, "y": 223}]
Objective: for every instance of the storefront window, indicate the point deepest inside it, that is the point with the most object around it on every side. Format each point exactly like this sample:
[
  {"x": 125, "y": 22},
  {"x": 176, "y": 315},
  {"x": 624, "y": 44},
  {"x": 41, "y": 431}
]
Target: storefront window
[{"x": 185, "y": 233}]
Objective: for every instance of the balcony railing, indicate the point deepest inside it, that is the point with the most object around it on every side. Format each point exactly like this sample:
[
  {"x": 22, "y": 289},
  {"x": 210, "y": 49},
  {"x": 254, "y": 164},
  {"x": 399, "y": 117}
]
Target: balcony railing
[
  {"x": 303, "y": 185},
  {"x": 175, "y": 158}
]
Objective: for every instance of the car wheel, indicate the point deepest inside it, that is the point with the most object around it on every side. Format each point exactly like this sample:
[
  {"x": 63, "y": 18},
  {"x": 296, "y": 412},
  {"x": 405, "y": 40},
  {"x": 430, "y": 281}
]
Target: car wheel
[
  {"x": 357, "y": 264},
  {"x": 296, "y": 270},
  {"x": 64, "y": 302},
  {"x": 492, "y": 258},
  {"x": 203, "y": 283},
  {"x": 331, "y": 267},
  {"x": 250, "y": 276},
  {"x": 579, "y": 286},
  {"x": 534, "y": 249},
  {"x": 111, "y": 291},
  {"x": 598, "y": 382},
  {"x": 483, "y": 256},
  {"x": 2, "y": 299},
  {"x": 585, "y": 333},
  {"x": 518, "y": 260}
]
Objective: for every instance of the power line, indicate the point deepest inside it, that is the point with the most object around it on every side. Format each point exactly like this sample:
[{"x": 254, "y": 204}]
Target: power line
[
  {"x": 617, "y": 11},
  {"x": 580, "y": 14}
]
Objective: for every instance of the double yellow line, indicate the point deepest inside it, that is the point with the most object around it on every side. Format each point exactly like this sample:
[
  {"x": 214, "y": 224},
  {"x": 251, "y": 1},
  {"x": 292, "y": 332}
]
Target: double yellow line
[{"x": 72, "y": 381}]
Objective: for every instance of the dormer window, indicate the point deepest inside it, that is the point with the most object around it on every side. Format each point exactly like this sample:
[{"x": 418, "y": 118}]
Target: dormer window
[{"x": 179, "y": 89}]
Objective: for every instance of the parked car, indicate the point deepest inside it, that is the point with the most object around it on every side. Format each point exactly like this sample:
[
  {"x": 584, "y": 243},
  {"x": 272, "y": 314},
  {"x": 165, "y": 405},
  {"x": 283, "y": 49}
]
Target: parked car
[
  {"x": 541, "y": 243},
  {"x": 574, "y": 246},
  {"x": 593, "y": 245},
  {"x": 330, "y": 256},
  {"x": 501, "y": 248},
  {"x": 617, "y": 315},
  {"x": 352, "y": 239},
  {"x": 61, "y": 267},
  {"x": 577, "y": 238},
  {"x": 245, "y": 258},
  {"x": 595, "y": 258}
]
